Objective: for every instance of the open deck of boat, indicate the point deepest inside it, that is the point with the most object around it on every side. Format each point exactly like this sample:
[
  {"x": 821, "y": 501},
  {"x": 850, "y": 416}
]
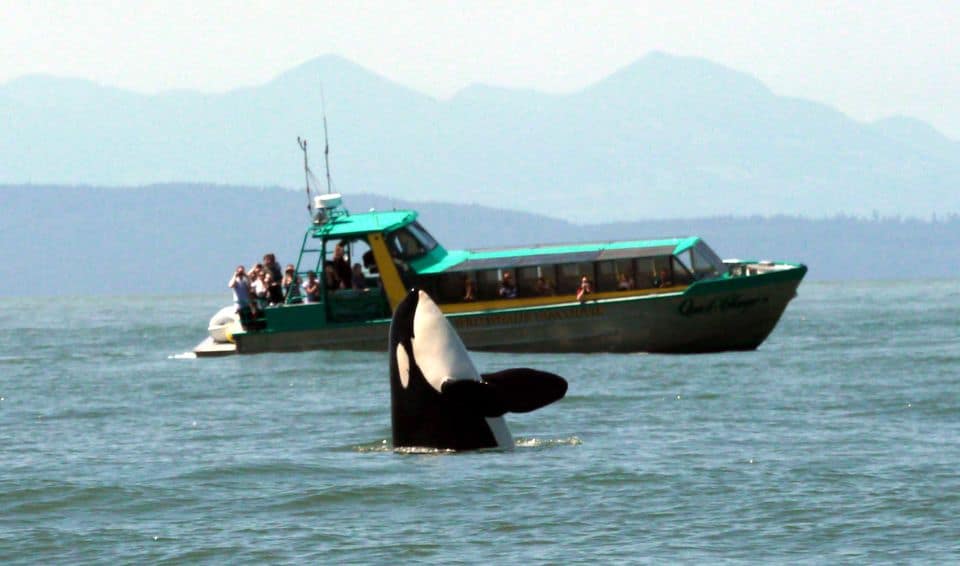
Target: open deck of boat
[{"x": 210, "y": 348}]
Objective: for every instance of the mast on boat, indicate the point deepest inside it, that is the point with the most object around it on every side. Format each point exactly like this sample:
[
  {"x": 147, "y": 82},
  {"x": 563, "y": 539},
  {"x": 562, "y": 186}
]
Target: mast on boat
[
  {"x": 326, "y": 140},
  {"x": 307, "y": 174}
]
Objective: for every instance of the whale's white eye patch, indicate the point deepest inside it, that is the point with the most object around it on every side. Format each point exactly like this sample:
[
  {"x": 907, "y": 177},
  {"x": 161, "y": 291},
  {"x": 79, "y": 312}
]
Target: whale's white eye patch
[{"x": 403, "y": 365}]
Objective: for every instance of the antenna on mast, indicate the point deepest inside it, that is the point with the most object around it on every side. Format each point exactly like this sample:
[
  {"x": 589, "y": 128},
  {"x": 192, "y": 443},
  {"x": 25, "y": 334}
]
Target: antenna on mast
[
  {"x": 306, "y": 173},
  {"x": 326, "y": 141}
]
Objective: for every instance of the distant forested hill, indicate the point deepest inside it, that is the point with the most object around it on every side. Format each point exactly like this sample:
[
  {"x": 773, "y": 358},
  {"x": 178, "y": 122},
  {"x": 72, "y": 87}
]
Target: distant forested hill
[{"x": 58, "y": 240}]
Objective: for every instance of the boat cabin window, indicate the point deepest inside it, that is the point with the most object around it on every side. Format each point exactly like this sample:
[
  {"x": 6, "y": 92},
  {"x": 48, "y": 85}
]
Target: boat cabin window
[
  {"x": 446, "y": 287},
  {"x": 609, "y": 272},
  {"x": 680, "y": 274},
  {"x": 660, "y": 271},
  {"x": 624, "y": 268},
  {"x": 569, "y": 274},
  {"x": 645, "y": 272},
  {"x": 488, "y": 284},
  {"x": 355, "y": 295},
  {"x": 356, "y": 251},
  {"x": 549, "y": 274},
  {"x": 426, "y": 240},
  {"x": 411, "y": 241},
  {"x": 526, "y": 279}
]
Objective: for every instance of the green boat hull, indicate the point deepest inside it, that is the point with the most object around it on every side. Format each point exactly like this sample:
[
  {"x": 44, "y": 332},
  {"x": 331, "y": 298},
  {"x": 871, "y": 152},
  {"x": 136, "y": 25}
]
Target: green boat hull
[{"x": 724, "y": 314}]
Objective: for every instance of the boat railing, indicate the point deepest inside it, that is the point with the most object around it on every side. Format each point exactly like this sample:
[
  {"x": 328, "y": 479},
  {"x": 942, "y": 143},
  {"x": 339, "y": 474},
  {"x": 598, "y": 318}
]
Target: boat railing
[{"x": 748, "y": 268}]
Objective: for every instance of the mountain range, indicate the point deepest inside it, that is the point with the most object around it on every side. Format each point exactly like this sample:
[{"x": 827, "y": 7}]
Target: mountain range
[{"x": 665, "y": 137}]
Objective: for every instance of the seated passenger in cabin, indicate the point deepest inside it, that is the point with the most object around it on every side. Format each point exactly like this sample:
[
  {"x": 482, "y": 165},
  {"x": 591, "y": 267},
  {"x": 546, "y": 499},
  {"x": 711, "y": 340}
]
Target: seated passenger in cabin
[
  {"x": 311, "y": 289},
  {"x": 543, "y": 288},
  {"x": 508, "y": 289},
  {"x": 359, "y": 282},
  {"x": 662, "y": 280},
  {"x": 624, "y": 282},
  {"x": 341, "y": 266},
  {"x": 291, "y": 284},
  {"x": 330, "y": 278},
  {"x": 584, "y": 289},
  {"x": 469, "y": 289},
  {"x": 369, "y": 262}
]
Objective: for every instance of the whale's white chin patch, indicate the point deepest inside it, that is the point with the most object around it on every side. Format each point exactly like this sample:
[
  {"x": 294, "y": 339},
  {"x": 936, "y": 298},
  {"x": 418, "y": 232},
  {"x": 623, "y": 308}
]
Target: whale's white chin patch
[
  {"x": 403, "y": 365},
  {"x": 437, "y": 348}
]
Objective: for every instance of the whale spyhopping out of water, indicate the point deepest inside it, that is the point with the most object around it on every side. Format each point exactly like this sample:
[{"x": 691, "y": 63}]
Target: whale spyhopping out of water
[{"x": 438, "y": 398}]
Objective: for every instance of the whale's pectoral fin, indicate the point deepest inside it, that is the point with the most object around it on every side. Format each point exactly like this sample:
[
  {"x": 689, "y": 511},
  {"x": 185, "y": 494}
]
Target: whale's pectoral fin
[
  {"x": 518, "y": 390},
  {"x": 474, "y": 396},
  {"x": 522, "y": 390}
]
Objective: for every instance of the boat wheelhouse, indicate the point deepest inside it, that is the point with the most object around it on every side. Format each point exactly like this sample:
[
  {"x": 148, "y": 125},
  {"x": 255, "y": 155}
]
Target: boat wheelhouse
[{"x": 666, "y": 295}]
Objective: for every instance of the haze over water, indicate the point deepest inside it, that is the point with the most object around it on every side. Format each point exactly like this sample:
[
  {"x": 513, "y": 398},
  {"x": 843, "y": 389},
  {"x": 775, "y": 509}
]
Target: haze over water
[{"x": 836, "y": 440}]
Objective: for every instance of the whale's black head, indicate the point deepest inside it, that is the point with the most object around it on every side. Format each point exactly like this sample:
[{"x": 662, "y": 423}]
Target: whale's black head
[{"x": 439, "y": 399}]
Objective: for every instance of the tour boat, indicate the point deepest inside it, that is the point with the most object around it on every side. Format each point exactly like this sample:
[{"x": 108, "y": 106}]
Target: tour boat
[{"x": 670, "y": 295}]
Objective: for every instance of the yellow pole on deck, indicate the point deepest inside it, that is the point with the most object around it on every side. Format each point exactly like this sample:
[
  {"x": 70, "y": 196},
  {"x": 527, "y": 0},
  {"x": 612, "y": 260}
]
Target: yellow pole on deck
[{"x": 389, "y": 276}]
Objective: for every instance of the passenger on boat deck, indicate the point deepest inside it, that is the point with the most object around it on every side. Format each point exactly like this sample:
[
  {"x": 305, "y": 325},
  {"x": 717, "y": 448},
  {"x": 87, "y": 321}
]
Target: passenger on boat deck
[
  {"x": 241, "y": 287},
  {"x": 543, "y": 288},
  {"x": 330, "y": 278},
  {"x": 311, "y": 289},
  {"x": 260, "y": 287},
  {"x": 271, "y": 265},
  {"x": 624, "y": 283},
  {"x": 469, "y": 289},
  {"x": 274, "y": 291},
  {"x": 341, "y": 266},
  {"x": 507, "y": 290},
  {"x": 585, "y": 289},
  {"x": 358, "y": 280},
  {"x": 241, "y": 293},
  {"x": 291, "y": 283},
  {"x": 254, "y": 273}
]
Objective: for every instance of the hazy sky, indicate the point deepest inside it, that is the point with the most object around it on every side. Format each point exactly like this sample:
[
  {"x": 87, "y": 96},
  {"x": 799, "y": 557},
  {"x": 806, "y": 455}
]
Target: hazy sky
[{"x": 869, "y": 59}]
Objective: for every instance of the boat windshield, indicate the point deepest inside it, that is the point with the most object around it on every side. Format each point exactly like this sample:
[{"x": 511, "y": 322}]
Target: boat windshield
[
  {"x": 411, "y": 241},
  {"x": 704, "y": 262},
  {"x": 423, "y": 236}
]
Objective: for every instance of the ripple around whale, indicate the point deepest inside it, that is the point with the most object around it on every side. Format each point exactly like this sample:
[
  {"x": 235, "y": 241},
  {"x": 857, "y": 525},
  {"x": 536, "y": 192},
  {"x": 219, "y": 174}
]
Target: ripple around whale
[
  {"x": 519, "y": 443},
  {"x": 546, "y": 443}
]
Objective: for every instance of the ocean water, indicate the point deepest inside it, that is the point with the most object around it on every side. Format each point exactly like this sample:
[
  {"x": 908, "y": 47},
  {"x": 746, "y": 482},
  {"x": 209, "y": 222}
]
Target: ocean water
[{"x": 837, "y": 441}]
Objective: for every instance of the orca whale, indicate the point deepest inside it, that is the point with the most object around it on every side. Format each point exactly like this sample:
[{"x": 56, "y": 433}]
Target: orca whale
[{"x": 438, "y": 399}]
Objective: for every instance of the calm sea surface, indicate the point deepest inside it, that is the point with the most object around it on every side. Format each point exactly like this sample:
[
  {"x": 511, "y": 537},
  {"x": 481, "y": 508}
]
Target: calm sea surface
[{"x": 838, "y": 440}]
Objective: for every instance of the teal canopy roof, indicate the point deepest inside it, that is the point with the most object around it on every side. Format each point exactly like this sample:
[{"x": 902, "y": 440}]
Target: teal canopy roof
[
  {"x": 465, "y": 260},
  {"x": 345, "y": 225}
]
